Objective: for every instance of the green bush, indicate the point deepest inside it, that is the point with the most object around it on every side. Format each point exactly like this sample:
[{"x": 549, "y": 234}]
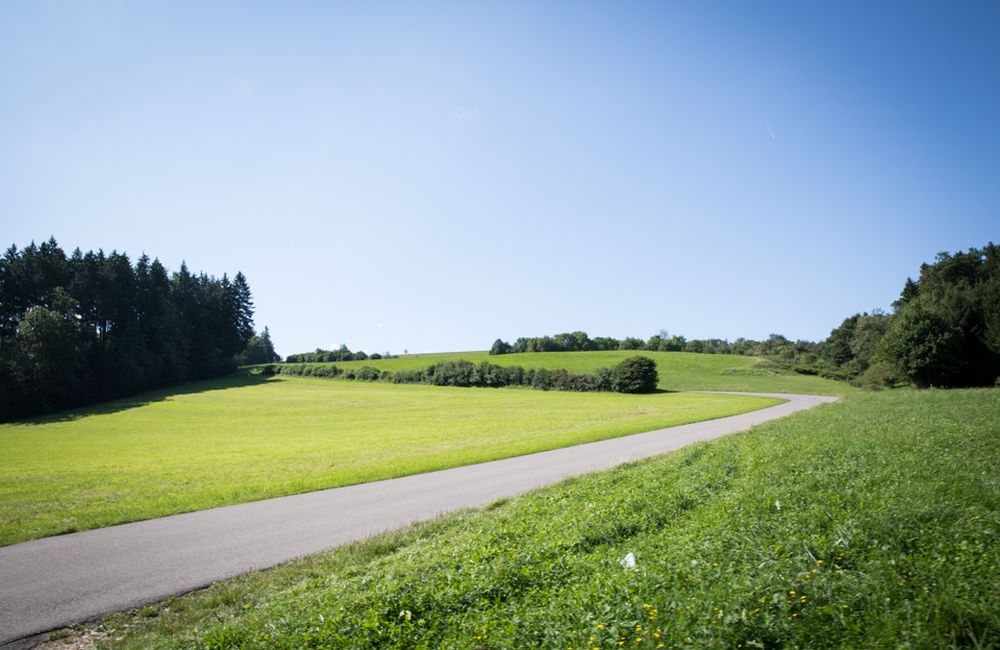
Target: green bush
[
  {"x": 451, "y": 373},
  {"x": 922, "y": 347},
  {"x": 876, "y": 377},
  {"x": 636, "y": 375},
  {"x": 368, "y": 373}
]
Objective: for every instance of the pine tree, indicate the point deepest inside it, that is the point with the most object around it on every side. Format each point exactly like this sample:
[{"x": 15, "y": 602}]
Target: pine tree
[
  {"x": 94, "y": 326},
  {"x": 244, "y": 307}
]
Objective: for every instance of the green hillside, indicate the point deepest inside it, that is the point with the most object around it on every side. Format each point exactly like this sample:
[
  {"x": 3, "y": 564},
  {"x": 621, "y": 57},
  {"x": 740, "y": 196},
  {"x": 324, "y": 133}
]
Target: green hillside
[{"x": 678, "y": 370}]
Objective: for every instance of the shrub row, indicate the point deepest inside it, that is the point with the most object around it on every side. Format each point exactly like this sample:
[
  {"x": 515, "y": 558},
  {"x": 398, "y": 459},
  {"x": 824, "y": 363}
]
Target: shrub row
[{"x": 633, "y": 375}]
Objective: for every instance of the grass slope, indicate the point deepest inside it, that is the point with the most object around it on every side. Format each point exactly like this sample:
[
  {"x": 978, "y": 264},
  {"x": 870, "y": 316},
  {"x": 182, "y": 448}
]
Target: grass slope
[
  {"x": 242, "y": 438},
  {"x": 873, "y": 522},
  {"x": 678, "y": 370}
]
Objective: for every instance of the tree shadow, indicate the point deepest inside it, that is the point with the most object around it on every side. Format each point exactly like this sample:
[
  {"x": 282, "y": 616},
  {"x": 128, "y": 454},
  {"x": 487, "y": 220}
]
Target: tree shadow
[{"x": 239, "y": 379}]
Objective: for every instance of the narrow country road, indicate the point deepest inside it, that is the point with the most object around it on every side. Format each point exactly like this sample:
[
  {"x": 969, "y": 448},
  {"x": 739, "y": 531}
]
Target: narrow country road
[{"x": 58, "y": 581}]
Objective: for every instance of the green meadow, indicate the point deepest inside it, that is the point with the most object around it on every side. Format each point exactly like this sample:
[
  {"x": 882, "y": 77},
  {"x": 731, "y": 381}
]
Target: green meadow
[
  {"x": 243, "y": 438},
  {"x": 870, "y": 523},
  {"x": 678, "y": 370}
]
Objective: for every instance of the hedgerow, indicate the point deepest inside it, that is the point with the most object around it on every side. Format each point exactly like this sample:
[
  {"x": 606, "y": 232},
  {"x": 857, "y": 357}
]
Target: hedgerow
[{"x": 487, "y": 375}]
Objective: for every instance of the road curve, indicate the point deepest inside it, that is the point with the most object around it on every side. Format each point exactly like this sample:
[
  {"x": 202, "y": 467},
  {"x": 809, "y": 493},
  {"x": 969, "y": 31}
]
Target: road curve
[{"x": 54, "y": 582}]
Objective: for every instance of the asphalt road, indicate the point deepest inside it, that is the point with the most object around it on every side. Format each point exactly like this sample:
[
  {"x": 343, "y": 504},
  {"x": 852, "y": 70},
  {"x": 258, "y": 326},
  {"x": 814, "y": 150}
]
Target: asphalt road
[{"x": 50, "y": 583}]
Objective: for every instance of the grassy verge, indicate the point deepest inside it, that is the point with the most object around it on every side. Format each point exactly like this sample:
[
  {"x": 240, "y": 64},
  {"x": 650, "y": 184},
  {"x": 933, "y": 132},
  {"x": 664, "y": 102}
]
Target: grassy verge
[
  {"x": 678, "y": 370},
  {"x": 873, "y": 522},
  {"x": 244, "y": 438}
]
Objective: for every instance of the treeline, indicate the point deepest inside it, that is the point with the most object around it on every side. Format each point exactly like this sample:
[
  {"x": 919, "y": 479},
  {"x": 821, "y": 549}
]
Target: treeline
[
  {"x": 944, "y": 329},
  {"x": 260, "y": 349},
  {"x": 340, "y": 354},
  {"x": 633, "y": 375},
  {"x": 93, "y": 326},
  {"x": 775, "y": 346}
]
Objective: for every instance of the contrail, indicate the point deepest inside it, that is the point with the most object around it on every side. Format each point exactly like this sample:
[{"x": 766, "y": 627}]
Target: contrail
[{"x": 769, "y": 130}]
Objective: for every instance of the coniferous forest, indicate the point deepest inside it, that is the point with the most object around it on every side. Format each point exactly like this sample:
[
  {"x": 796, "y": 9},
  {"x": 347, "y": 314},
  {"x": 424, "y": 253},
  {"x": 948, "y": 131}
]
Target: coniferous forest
[{"x": 92, "y": 326}]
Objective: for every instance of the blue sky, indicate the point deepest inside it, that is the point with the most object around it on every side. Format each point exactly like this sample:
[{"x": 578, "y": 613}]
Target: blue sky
[{"x": 430, "y": 176}]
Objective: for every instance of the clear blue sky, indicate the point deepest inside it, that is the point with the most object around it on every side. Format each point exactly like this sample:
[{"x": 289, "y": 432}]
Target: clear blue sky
[{"x": 430, "y": 176}]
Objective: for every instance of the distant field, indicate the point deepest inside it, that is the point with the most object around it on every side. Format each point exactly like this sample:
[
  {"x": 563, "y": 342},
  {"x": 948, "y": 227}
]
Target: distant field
[
  {"x": 678, "y": 370},
  {"x": 870, "y": 523},
  {"x": 239, "y": 439}
]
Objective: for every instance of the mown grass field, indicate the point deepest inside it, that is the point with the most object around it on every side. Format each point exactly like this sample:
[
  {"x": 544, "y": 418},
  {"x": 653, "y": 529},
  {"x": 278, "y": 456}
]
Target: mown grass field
[
  {"x": 243, "y": 438},
  {"x": 870, "y": 523},
  {"x": 678, "y": 370}
]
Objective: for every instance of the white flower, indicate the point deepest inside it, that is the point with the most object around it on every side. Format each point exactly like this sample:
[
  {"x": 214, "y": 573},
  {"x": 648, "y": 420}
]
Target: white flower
[{"x": 628, "y": 562}]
